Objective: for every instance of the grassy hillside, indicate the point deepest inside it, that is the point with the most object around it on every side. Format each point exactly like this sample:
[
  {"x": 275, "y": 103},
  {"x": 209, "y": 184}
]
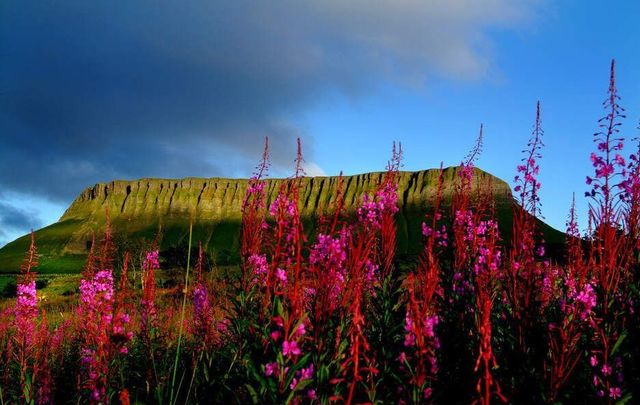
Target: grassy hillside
[{"x": 139, "y": 208}]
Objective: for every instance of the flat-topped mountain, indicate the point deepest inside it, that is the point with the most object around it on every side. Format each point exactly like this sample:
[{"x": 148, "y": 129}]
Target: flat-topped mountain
[{"x": 138, "y": 208}]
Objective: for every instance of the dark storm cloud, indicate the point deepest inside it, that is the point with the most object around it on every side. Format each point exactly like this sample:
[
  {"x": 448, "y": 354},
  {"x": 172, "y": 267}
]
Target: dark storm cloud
[
  {"x": 12, "y": 219},
  {"x": 91, "y": 91}
]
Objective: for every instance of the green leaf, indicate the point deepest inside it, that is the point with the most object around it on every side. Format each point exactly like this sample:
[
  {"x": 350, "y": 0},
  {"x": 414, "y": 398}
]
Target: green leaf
[
  {"x": 624, "y": 400},
  {"x": 619, "y": 342},
  {"x": 253, "y": 393}
]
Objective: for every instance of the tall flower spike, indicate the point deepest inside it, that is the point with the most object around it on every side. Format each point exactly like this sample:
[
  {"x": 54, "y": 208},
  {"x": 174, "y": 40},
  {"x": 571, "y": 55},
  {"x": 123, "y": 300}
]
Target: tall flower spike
[
  {"x": 30, "y": 260},
  {"x": 607, "y": 161},
  {"x": 299, "y": 161},
  {"x": 108, "y": 247},
  {"x": 527, "y": 184},
  {"x": 253, "y": 217},
  {"x": 474, "y": 153}
]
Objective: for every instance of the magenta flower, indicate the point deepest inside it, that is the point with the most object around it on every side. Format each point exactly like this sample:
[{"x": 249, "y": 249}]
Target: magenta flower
[
  {"x": 290, "y": 348},
  {"x": 281, "y": 275},
  {"x": 427, "y": 392},
  {"x": 587, "y": 298},
  {"x": 271, "y": 369},
  {"x": 260, "y": 267},
  {"x": 615, "y": 392}
]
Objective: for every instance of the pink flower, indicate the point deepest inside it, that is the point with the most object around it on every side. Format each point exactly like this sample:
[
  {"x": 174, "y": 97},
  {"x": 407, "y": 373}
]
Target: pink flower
[
  {"x": 152, "y": 261},
  {"x": 259, "y": 265},
  {"x": 290, "y": 348},
  {"x": 306, "y": 373},
  {"x": 615, "y": 392},
  {"x": 587, "y": 298},
  {"x": 270, "y": 369},
  {"x": 606, "y": 369},
  {"x": 593, "y": 360},
  {"x": 281, "y": 275}
]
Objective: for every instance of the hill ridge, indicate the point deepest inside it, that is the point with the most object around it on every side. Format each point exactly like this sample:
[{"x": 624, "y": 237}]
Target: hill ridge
[{"x": 139, "y": 207}]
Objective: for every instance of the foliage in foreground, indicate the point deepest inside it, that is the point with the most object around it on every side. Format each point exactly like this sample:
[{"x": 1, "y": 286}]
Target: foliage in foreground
[{"x": 336, "y": 318}]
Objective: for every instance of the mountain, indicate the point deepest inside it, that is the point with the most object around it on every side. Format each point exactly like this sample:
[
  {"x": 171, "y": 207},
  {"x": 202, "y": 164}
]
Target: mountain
[{"x": 139, "y": 208}]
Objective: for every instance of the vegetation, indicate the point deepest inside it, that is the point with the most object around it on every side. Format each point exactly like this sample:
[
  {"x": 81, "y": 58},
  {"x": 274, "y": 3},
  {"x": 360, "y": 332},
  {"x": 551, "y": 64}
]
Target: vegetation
[{"x": 334, "y": 316}]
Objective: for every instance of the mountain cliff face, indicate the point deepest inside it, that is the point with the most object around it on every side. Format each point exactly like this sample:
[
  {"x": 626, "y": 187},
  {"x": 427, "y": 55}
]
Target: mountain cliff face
[{"x": 139, "y": 208}]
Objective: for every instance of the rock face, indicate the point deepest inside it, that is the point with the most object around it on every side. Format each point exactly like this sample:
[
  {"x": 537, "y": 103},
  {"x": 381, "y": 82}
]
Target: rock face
[{"x": 139, "y": 208}]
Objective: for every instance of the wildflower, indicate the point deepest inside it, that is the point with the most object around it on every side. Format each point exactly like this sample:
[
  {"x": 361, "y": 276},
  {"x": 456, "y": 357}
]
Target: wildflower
[
  {"x": 427, "y": 393},
  {"x": 606, "y": 370},
  {"x": 270, "y": 369},
  {"x": 260, "y": 266},
  {"x": 586, "y": 297},
  {"x": 615, "y": 392},
  {"x": 290, "y": 348},
  {"x": 26, "y": 311},
  {"x": 307, "y": 373},
  {"x": 96, "y": 309},
  {"x": 148, "y": 308},
  {"x": 281, "y": 275}
]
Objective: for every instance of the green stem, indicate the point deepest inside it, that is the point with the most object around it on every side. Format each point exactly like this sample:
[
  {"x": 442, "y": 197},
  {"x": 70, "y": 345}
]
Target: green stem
[{"x": 184, "y": 305}]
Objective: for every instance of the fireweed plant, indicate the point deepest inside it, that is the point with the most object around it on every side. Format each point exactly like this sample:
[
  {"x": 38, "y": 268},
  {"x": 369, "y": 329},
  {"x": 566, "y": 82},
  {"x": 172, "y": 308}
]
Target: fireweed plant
[
  {"x": 322, "y": 308},
  {"x": 524, "y": 272},
  {"x": 610, "y": 250}
]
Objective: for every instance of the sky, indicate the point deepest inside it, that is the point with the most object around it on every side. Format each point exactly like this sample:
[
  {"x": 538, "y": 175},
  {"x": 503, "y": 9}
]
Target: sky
[{"x": 103, "y": 90}]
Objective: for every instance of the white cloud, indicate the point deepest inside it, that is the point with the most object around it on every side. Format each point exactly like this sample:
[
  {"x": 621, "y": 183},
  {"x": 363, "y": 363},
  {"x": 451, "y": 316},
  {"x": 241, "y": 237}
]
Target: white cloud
[{"x": 313, "y": 170}]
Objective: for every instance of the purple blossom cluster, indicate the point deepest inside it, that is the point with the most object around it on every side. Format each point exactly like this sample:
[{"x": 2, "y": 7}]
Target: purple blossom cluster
[
  {"x": 96, "y": 309},
  {"x": 383, "y": 202},
  {"x": 426, "y": 330},
  {"x": 96, "y": 295},
  {"x": 485, "y": 260},
  {"x": 466, "y": 173},
  {"x": 331, "y": 254},
  {"x": 587, "y": 300},
  {"x": 260, "y": 267},
  {"x": 203, "y": 313},
  {"x": 291, "y": 351},
  {"x": 440, "y": 235},
  {"x": 26, "y": 311},
  {"x": 603, "y": 373},
  {"x": 152, "y": 260}
]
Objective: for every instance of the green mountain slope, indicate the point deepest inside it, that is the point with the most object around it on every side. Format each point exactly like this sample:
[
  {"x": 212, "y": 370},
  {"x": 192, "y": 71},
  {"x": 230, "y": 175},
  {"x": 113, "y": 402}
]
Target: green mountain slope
[{"x": 139, "y": 208}]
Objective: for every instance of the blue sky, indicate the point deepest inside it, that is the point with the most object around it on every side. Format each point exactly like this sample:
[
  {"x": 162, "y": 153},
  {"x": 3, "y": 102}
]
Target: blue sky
[{"x": 95, "y": 91}]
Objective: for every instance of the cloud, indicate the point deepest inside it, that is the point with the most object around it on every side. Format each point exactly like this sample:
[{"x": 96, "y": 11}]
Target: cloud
[
  {"x": 13, "y": 219},
  {"x": 312, "y": 169},
  {"x": 91, "y": 91}
]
